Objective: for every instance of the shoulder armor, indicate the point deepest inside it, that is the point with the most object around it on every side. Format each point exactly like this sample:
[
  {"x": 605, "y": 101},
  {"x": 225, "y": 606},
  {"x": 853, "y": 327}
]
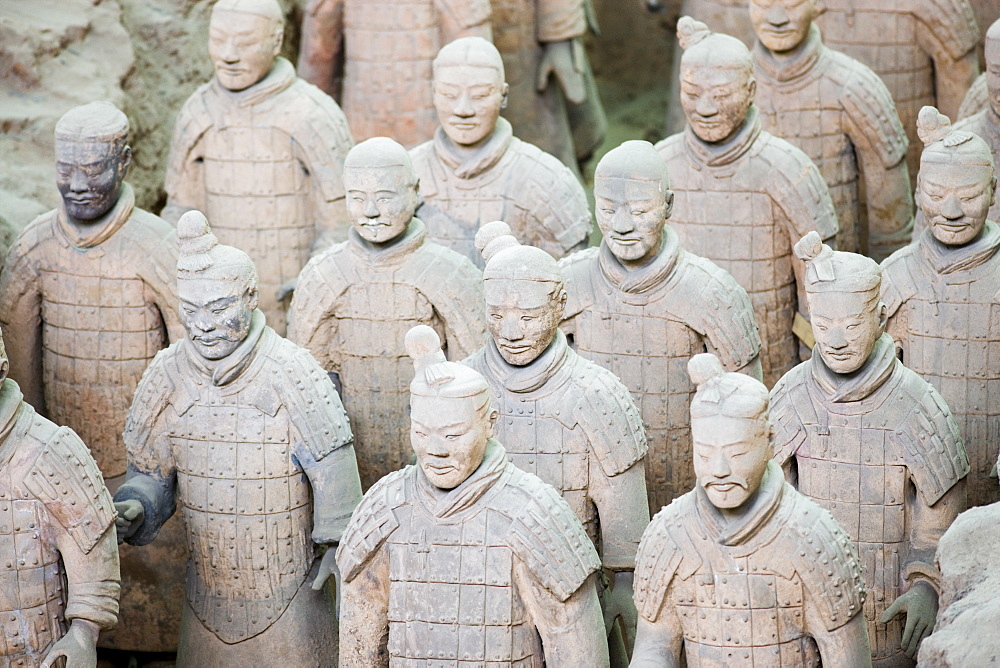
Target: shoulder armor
[
  {"x": 609, "y": 417},
  {"x": 788, "y": 397},
  {"x": 153, "y": 394},
  {"x": 953, "y": 23},
  {"x": 664, "y": 552},
  {"x": 976, "y": 100},
  {"x": 869, "y": 104},
  {"x": 320, "y": 130},
  {"x": 671, "y": 148},
  {"x": 373, "y": 521},
  {"x": 578, "y": 274},
  {"x": 547, "y": 536},
  {"x": 21, "y": 263},
  {"x": 802, "y": 193},
  {"x": 898, "y": 282},
  {"x": 319, "y": 286},
  {"x": 66, "y": 479},
  {"x": 193, "y": 121},
  {"x": 467, "y": 13}
]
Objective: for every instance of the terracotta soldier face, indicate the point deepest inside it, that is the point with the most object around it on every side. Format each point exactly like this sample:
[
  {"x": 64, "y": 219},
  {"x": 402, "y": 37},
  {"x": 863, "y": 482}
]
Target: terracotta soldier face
[
  {"x": 955, "y": 199},
  {"x": 449, "y": 437},
  {"x": 216, "y": 314},
  {"x": 380, "y": 201},
  {"x": 89, "y": 175},
  {"x": 716, "y": 99},
  {"x": 523, "y": 317},
  {"x": 730, "y": 457},
  {"x": 468, "y": 100},
  {"x": 242, "y": 46},
  {"x": 631, "y": 214},
  {"x": 846, "y": 326},
  {"x": 782, "y": 25}
]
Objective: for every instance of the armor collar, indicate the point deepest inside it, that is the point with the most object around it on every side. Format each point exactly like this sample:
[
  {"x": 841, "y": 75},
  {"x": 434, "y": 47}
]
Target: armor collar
[
  {"x": 530, "y": 377},
  {"x": 226, "y": 370},
  {"x": 281, "y": 76},
  {"x": 643, "y": 279},
  {"x": 788, "y": 68},
  {"x": 391, "y": 251},
  {"x": 728, "y": 152},
  {"x": 96, "y": 232},
  {"x": 470, "y": 163},
  {"x": 844, "y": 388},
  {"x": 950, "y": 259},
  {"x": 443, "y": 503},
  {"x": 732, "y": 532}
]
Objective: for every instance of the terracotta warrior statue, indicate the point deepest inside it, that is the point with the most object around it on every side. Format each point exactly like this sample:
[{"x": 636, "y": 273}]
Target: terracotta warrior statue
[
  {"x": 87, "y": 299},
  {"x": 245, "y": 432},
  {"x": 743, "y": 570},
  {"x": 872, "y": 442},
  {"x": 378, "y": 53},
  {"x": 641, "y": 306},
  {"x": 465, "y": 559},
  {"x": 356, "y": 301},
  {"x": 842, "y": 116},
  {"x": 57, "y": 540},
  {"x": 475, "y": 170},
  {"x": 261, "y": 152},
  {"x": 565, "y": 419},
  {"x": 943, "y": 291},
  {"x": 742, "y": 196}
]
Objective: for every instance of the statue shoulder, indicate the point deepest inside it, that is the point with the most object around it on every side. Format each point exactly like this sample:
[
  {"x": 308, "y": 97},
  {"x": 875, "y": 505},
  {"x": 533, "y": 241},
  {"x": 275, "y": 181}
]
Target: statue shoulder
[
  {"x": 372, "y": 522},
  {"x": 790, "y": 400},
  {"x": 872, "y": 111},
  {"x": 665, "y": 552},
  {"x": 953, "y": 23}
]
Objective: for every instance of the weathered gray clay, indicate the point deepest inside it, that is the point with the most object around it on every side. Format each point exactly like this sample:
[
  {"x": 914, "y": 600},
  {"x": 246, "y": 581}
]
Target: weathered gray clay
[
  {"x": 742, "y": 196},
  {"x": 743, "y": 570},
  {"x": 244, "y": 431},
  {"x": 475, "y": 170},
  {"x": 261, "y": 152},
  {"x": 976, "y": 98},
  {"x": 87, "y": 299},
  {"x": 842, "y": 116},
  {"x": 641, "y": 306},
  {"x": 378, "y": 53},
  {"x": 942, "y": 291},
  {"x": 356, "y": 301},
  {"x": 463, "y": 558},
  {"x": 872, "y": 442}
]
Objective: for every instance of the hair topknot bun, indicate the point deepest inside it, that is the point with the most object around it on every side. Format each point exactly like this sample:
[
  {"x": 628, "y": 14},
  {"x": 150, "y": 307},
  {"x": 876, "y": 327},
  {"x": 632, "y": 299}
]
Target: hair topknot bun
[
  {"x": 422, "y": 341},
  {"x": 703, "y": 367},
  {"x": 493, "y": 238},
  {"x": 195, "y": 239},
  {"x": 691, "y": 31},
  {"x": 932, "y": 125},
  {"x": 809, "y": 247}
]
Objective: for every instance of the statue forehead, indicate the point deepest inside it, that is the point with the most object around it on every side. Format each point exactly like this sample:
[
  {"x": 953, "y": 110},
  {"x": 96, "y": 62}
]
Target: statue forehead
[
  {"x": 436, "y": 410},
  {"x": 519, "y": 293},
  {"x": 719, "y": 52},
  {"x": 268, "y": 9},
  {"x": 204, "y": 287},
  {"x": 628, "y": 188},
  {"x": 472, "y": 52}
]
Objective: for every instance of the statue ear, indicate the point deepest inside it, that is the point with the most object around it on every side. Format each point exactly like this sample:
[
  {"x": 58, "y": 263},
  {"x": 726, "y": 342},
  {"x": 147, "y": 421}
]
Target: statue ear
[{"x": 504, "y": 91}]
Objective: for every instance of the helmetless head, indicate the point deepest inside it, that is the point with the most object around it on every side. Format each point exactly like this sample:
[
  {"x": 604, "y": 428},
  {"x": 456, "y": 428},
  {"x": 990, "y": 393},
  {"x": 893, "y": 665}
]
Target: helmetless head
[
  {"x": 525, "y": 297},
  {"x": 244, "y": 38},
  {"x": 469, "y": 90},
  {"x": 956, "y": 184},
  {"x": 992, "y": 52},
  {"x": 843, "y": 293},
  {"x": 783, "y": 25},
  {"x": 451, "y": 413},
  {"x": 730, "y": 430},
  {"x": 633, "y": 200},
  {"x": 717, "y": 83},
  {"x": 92, "y": 159},
  {"x": 381, "y": 189},
  {"x": 217, "y": 286}
]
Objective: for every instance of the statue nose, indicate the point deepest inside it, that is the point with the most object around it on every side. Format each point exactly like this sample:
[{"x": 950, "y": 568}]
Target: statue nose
[{"x": 951, "y": 208}]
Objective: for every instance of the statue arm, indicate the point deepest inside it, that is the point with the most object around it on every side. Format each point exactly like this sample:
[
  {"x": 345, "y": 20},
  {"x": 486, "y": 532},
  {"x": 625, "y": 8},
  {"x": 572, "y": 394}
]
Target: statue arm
[
  {"x": 623, "y": 509},
  {"x": 364, "y": 615},
  {"x": 159, "y": 275},
  {"x": 336, "y": 488},
  {"x": 949, "y": 35},
  {"x": 927, "y": 525},
  {"x": 846, "y": 645},
  {"x": 185, "y": 177},
  {"x": 952, "y": 79},
  {"x": 321, "y": 50},
  {"x": 465, "y": 18},
  {"x": 92, "y": 578},
  {"x": 659, "y": 644},
  {"x": 21, "y": 320}
]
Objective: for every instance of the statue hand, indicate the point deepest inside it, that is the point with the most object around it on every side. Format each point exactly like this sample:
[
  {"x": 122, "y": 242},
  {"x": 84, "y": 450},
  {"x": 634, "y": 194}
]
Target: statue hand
[
  {"x": 618, "y": 604},
  {"x": 565, "y": 60},
  {"x": 328, "y": 567},
  {"x": 130, "y": 517},
  {"x": 920, "y": 604},
  {"x": 79, "y": 646}
]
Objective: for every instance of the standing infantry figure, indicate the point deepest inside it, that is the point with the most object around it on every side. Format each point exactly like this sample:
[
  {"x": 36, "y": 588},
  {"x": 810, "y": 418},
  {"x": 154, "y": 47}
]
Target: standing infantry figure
[
  {"x": 57, "y": 540},
  {"x": 742, "y": 195},
  {"x": 567, "y": 420},
  {"x": 356, "y": 301},
  {"x": 641, "y": 306},
  {"x": 464, "y": 559},
  {"x": 245, "y": 432},
  {"x": 873, "y": 443},
  {"x": 383, "y": 50},
  {"x": 743, "y": 570},
  {"x": 87, "y": 299},
  {"x": 475, "y": 170},
  {"x": 260, "y": 151},
  {"x": 841, "y": 115},
  {"x": 943, "y": 291}
]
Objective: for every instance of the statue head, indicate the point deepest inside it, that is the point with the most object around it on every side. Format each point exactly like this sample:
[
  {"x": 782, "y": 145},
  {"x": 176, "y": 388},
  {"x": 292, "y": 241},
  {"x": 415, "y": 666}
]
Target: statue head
[
  {"x": 525, "y": 297},
  {"x": 92, "y": 159},
  {"x": 469, "y": 90},
  {"x": 730, "y": 432},
  {"x": 992, "y": 53},
  {"x": 842, "y": 289},
  {"x": 633, "y": 201},
  {"x": 244, "y": 38},
  {"x": 783, "y": 25},
  {"x": 451, "y": 412},
  {"x": 381, "y": 189},
  {"x": 956, "y": 184},
  {"x": 217, "y": 286},
  {"x": 717, "y": 82}
]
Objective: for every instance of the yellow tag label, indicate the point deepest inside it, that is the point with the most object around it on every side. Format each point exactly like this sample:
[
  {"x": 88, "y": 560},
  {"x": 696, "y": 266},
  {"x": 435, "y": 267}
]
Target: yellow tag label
[{"x": 802, "y": 329}]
